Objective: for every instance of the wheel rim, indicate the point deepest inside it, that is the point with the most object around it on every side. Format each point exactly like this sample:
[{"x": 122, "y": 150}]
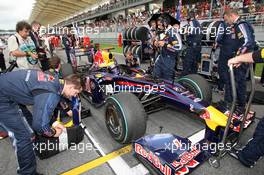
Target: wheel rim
[
  {"x": 113, "y": 121},
  {"x": 192, "y": 89}
]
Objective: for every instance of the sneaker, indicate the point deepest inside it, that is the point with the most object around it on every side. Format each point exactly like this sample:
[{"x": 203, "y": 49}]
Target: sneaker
[{"x": 3, "y": 135}]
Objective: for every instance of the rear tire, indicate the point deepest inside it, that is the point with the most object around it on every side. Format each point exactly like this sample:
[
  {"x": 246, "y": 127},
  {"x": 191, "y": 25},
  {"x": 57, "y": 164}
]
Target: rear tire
[
  {"x": 198, "y": 85},
  {"x": 125, "y": 117}
]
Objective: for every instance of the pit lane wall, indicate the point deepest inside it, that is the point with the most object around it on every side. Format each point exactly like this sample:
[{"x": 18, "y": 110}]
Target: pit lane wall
[{"x": 106, "y": 38}]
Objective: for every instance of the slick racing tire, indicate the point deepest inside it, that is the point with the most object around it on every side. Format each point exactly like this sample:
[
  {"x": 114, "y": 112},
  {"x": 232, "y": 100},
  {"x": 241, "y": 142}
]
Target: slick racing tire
[
  {"x": 198, "y": 85},
  {"x": 125, "y": 117}
]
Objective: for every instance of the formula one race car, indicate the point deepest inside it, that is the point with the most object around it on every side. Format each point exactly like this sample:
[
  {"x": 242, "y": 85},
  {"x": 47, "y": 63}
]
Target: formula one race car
[
  {"x": 170, "y": 154},
  {"x": 130, "y": 94}
]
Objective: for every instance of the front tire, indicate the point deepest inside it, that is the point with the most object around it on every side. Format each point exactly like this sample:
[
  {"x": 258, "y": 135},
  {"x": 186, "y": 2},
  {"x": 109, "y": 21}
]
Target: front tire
[
  {"x": 197, "y": 85},
  {"x": 125, "y": 117}
]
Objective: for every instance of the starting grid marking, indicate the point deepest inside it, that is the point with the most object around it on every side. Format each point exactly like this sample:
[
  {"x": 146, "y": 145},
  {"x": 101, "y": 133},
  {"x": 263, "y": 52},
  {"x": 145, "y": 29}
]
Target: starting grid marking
[
  {"x": 116, "y": 162},
  {"x": 97, "y": 162}
]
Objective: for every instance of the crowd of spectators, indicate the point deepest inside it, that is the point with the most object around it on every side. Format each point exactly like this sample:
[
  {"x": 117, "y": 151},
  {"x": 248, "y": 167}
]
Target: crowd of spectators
[
  {"x": 202, "y": 9},
  {"x": 120, "y": 22}
]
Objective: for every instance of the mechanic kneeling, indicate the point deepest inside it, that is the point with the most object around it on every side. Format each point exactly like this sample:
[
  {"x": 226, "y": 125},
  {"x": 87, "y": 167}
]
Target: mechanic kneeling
[{"x": 32, "y": 87}]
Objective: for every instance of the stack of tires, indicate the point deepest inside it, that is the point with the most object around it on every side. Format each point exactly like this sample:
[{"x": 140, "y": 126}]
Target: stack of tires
[
  {"x": 137, "y": 33},
  {"x": 134, "y": 49},
  {"x": 134, "y": 38}
]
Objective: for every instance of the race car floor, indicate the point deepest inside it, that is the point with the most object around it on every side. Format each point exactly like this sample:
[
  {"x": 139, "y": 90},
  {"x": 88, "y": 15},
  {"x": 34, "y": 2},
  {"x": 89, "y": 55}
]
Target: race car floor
[{"x": 166, "y": 121}]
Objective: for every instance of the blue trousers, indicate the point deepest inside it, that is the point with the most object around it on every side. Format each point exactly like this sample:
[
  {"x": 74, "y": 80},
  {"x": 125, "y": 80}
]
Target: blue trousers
[
  {"x": 241, "y": 86},
  {"x": 13, "y": 120},
  {"x": 223, "y": 70},
  {"x": 255, "y": 147},
  {"x": 191, "y": 59},
  {"x": 27, "y": 115},
  {"x": 164, "y": 67}
]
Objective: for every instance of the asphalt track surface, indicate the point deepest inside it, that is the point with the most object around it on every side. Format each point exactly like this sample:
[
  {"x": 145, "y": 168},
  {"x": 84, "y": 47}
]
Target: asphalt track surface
[{"x": 169, "y": 120}]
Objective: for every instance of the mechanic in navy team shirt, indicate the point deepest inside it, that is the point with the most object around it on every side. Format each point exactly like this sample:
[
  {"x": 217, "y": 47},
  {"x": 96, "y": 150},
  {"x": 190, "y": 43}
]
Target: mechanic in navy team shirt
[
  {"x": 169, "y": 43},
  {"x": 193, "y": 51},
  {"x": 254, "y": 149},
  {"x": 244, "y": 42},
  {"x": 32, "y": 87},
  {"x": 227, "y": 47}
]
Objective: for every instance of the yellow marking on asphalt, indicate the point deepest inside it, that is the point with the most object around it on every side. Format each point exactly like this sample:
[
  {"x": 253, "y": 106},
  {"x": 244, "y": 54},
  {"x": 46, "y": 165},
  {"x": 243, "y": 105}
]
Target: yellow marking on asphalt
[{"x": 97, "y": 162}]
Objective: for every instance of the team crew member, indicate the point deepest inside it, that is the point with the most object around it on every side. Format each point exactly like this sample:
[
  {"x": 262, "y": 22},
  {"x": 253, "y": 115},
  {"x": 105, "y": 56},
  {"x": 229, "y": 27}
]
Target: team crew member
[
  {"x": 22, "y": 48},
  {"x": 254, "y": 57},
  {"x": 227, "y": 46},
  {"x": 193, "y": 51},
  {"x": 32, "y": 87},
  {"x": 257, "y": 56},
  {"x": 254, "y": 149},
  {"x": 170, "y": 43},
  {"x": 244, "y": 42}
]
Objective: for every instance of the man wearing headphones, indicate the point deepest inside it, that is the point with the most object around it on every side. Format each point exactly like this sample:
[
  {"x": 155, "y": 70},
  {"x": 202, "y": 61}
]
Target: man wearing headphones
[{"x": 169, "y": 43}]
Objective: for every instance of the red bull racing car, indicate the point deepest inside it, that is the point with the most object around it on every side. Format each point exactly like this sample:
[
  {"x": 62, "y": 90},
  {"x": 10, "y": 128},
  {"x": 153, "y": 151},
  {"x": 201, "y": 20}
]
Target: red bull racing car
[{"x": 131, "y": 94}]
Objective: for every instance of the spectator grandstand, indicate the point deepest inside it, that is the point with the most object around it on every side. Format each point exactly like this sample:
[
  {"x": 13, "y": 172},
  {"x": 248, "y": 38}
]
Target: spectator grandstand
[{"x": 252, "y": 10}]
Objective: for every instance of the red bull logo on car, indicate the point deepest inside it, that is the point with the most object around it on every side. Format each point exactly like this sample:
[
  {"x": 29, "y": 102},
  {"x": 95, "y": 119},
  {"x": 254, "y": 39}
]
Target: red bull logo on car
[
  {"x": 182, "y": 166},
  {"x": 152, "y": 158},
  {"x": 186, "y": 161},
  {"x": 186, "y": 169}
]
